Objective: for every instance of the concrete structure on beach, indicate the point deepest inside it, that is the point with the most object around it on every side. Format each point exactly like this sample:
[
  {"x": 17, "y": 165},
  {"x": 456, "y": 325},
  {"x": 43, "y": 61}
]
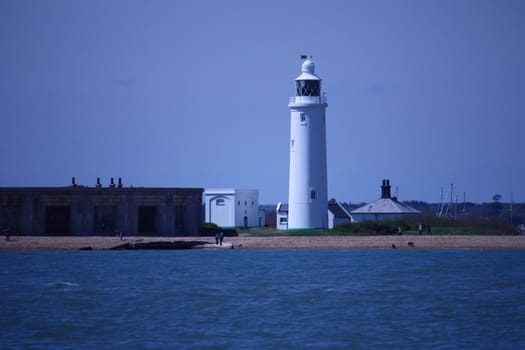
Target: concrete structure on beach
[{"x": 80, "y": 210}]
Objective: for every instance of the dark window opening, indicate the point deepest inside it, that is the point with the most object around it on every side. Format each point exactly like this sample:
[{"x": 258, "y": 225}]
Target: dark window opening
[
  {"x": 308, "y": 87},
  {"x": 312, "y": 194},
  {"x": 8, "y": 218},
  {"x": 58, "y": 220},
  {"x": 147, "y": 217},
  {"x": 105, "y": 220},
  {"x": 179, "y": 217}
]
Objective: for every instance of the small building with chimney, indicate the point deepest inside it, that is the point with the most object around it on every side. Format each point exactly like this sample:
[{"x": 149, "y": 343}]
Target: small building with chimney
[{"x": 385, "y": 208}]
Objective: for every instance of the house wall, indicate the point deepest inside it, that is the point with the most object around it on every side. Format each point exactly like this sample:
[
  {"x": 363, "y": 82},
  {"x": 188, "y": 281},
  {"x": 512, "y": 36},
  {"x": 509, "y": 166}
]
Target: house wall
[
  {"x": 334, "y": 221},
  {"x": 261, "y": 218},
  {"x": 282, "y": 221},
  {"x": 357, "y": 217},
  {"x": 247, "y": 208},
  {"x": 281, "y": 218},
  {"x": 220, "y": 208}
]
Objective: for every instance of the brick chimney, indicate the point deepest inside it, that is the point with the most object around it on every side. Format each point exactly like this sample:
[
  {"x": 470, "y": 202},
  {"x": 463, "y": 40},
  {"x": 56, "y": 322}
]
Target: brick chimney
[{"x": 385, "y": 189}]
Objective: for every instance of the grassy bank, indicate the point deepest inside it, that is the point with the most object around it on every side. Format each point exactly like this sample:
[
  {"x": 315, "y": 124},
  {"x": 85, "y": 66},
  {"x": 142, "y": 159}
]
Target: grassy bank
[{"x": 431, "y": 225}]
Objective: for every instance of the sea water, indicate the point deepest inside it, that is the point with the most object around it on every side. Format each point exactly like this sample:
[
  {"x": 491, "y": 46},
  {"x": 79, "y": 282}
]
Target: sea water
[{"x": 263, "y": 299}]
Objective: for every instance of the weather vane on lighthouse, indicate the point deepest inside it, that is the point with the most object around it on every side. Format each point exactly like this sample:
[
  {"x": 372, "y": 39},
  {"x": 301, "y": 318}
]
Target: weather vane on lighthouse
[{"x": 307, "y": 196}]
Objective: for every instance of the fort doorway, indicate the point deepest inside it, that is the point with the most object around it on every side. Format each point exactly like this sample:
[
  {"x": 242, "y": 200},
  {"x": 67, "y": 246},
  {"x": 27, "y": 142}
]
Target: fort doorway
[
  {"x": 179, "y": 218},
  {"x": 57, "y": 220},
  {"x": 147, "y": 218},
  {"x": 105, "y": 220}
]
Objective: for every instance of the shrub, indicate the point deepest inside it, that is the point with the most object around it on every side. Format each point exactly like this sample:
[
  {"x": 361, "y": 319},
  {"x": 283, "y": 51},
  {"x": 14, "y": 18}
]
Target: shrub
[
  {"x": 210, "y": 229},
  {"x": 373, "y": 227}
]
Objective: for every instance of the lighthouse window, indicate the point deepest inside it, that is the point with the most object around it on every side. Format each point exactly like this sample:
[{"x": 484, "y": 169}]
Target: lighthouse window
[
  {"x": 303, "y": 117},
  {"x": 220, "y": 202},
  {"x": 308, "y": 87},
  {"x": 312, "y": 194}
]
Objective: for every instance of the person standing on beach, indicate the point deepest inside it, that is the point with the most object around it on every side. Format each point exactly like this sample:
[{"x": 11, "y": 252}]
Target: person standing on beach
[
  {"x": 216, "y": 238},
  {"x": 119, "y": 234},
  {"x": 420, "y": 229},
  {"x": 221, "y": 237}
]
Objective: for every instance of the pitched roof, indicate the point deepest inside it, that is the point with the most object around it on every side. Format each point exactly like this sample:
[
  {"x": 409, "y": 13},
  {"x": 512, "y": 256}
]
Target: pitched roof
[
  {"x": 282, "y": 207},
  {"x": 385, "y": 206},
  {"x": 338, "y": 210}
]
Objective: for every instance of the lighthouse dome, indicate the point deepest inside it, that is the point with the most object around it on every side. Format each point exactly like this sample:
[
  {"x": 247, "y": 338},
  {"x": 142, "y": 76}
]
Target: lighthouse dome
[
  {"x": 307, "y": 71},
  {"x": 308, "y": 67}
]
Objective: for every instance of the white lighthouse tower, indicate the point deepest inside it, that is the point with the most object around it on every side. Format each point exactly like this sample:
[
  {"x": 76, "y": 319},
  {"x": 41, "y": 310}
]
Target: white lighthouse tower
[{"x": 308, "y": 198}]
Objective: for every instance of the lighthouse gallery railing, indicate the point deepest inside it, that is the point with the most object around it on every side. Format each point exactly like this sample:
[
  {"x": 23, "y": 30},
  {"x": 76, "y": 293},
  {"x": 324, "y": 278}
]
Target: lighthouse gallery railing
[{"x": 308, "y": 99}]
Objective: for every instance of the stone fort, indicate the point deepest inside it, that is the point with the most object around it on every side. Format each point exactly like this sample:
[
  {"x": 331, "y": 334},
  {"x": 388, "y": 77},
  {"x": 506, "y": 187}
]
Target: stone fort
[{"x": 80, "y": 210}]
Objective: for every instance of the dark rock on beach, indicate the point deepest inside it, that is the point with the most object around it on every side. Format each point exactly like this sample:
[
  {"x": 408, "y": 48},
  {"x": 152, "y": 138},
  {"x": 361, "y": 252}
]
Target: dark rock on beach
[{"x": 160, "y": 245}]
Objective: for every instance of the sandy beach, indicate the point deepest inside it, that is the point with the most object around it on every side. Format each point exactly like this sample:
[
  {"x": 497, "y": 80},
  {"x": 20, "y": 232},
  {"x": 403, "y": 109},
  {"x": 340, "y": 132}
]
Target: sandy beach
[{"x": 279, "y": 242}]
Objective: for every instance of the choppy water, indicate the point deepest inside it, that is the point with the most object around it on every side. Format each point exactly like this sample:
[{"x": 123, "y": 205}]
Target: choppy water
[{"x": 285, "y": 299}]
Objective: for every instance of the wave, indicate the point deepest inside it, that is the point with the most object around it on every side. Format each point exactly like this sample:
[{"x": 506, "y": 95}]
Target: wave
[{"x": 64, "y": 285}]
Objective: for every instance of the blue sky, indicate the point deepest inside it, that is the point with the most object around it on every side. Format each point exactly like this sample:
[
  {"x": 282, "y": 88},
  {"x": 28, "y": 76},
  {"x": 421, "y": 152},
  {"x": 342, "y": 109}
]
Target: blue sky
[{"x": 195, "y": 93}]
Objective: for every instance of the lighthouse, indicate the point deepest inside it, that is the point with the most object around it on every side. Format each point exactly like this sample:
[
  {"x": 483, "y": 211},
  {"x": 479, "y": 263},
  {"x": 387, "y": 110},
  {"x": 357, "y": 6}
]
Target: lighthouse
[{"x": 307, "y": 196}]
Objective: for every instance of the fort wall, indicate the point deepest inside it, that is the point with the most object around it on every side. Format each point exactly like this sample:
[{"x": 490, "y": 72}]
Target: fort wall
[{"x": 80, "y": 211}]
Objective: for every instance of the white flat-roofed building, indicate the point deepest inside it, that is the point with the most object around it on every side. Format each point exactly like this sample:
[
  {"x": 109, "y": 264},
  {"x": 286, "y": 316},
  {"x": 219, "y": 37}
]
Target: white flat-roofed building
[{"x": 230, "y": 207}]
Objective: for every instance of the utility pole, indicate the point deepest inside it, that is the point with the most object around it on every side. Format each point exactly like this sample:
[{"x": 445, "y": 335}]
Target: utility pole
[
  {"x": 456, "y": 208},
  {"x": 451, "y": 196}
]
